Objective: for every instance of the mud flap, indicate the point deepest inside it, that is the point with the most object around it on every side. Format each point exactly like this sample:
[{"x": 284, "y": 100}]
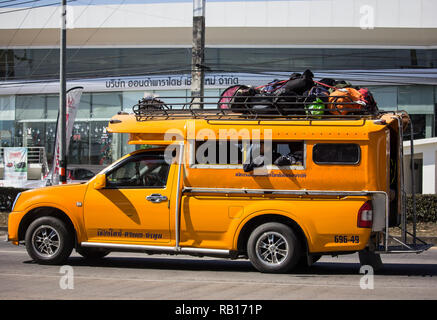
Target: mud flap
[{"x": 370, "y": 258}]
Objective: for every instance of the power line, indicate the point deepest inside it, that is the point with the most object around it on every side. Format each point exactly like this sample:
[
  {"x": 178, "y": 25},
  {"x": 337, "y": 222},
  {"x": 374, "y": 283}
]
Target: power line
[
  {"x": 34, "y": 71},
  {"x": 15, "y": 33},
  {"x": 95, "y": 31},
  {"x": 41, "y": 6},
  {"x": 142, "y": 13},
  {"x": 39, "y": 32},
  {"x": 151, "y": 68},
  {"x": 186, "y": 71},
  {"x": 1, "y": 2},
  {"x": 17, "y": 4}
]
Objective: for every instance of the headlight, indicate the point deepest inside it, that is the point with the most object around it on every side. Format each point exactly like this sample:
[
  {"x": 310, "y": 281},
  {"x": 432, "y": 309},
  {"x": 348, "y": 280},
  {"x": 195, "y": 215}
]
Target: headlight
[{"x": 15, "y": 201}]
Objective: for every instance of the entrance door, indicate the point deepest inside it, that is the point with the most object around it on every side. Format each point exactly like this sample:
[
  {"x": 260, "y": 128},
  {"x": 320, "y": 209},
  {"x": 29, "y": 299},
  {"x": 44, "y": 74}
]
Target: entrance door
[{"x": 134, "y": 205}]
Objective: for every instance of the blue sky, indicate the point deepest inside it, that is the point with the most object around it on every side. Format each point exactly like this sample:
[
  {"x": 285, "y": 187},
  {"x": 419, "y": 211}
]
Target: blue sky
[{"x": 29, "y": 3}]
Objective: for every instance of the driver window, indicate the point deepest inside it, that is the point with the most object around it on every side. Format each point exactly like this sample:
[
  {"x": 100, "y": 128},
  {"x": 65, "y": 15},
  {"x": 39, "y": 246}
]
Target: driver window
[{"x": 143, "y": 171}]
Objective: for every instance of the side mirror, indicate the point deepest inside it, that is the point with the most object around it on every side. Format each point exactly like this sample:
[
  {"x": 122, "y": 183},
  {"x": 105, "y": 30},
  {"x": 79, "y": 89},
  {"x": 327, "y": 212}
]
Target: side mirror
[{"x": 100, "y": 181}]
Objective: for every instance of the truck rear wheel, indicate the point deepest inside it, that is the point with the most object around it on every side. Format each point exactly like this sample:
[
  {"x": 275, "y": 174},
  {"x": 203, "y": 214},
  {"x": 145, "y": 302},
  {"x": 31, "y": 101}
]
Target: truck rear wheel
[
  {"x": 48, "y": 241},
  {"x": 273, "y": 248}
]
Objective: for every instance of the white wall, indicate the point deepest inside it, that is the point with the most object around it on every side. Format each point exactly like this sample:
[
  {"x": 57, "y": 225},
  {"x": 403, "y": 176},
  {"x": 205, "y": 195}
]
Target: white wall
[
  {"x": 309, "y": 13},
  {"x": 426, "y": 150},
  {"x": 303, "y": 22}
]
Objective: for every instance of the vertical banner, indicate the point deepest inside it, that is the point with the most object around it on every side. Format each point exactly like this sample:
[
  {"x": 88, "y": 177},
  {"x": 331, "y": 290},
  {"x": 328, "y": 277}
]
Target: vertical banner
[
  {"x": 73, "y": 100},
  {"x": 15, "y": 159}
]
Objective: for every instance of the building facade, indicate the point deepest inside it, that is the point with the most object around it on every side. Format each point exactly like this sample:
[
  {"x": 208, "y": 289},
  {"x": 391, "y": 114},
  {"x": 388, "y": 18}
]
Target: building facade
[{"x": 118, "y": 50}]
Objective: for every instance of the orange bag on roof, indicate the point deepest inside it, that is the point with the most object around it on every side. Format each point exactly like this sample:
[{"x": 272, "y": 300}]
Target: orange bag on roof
[{"x": 338, "y": 101}]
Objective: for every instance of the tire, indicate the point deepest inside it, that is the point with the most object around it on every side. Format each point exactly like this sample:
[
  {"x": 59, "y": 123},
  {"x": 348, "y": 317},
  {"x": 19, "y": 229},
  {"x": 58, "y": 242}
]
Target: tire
[
  {"x": 273, "y": 248},
  {"x": 48, "y": 241},
  {"x": 92, "y": 253}
]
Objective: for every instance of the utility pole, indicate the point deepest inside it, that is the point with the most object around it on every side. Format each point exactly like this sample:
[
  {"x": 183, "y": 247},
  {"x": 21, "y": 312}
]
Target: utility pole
[
  {"x": 63, "y": 95},
  {"x": 198, "y": 54}
]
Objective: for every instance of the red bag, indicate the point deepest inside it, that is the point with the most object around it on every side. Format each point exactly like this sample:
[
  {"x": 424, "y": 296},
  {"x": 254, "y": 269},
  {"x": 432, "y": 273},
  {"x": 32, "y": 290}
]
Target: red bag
[
  {"x": 227, "y": 96},
  {"x": 369, "y": 100}
]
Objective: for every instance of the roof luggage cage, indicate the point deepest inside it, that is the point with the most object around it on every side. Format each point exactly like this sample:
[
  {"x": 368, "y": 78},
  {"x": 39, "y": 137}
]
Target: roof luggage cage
[{"x": 248, "y": 108}]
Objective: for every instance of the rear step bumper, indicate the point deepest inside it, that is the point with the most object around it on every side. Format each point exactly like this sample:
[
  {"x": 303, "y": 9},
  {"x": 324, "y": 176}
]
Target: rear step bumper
[
  {"x": 404, "y": 248},
  {"x": 418, "y": 245}
]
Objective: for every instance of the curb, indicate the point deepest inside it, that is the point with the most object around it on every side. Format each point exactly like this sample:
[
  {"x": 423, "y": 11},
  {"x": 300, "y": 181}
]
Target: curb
[{"x": 3, "y": 230}]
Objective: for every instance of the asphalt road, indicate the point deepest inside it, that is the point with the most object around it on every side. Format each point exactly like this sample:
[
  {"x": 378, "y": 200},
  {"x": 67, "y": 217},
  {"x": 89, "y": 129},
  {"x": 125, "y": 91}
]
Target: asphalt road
[{"x": 163, "y": 277}]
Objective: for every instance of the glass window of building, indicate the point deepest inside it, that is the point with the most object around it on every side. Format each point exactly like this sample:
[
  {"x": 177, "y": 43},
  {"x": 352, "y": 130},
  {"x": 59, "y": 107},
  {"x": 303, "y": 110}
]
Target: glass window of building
[
  {"x": 386, "y": 97},
  {"x": 418, "y": 101},
  {"x": 105, "y": 105},
  {"x": 30, "y": 107},
  {"x": 100, "y": 143},
  {"x": 29, "y": 64},
  {"x": 84, "y": 111},
  {"x": 7, "y": 117},
  {"x": 174, "y": 98},
  {"x": 52, "y": 102},
  {"x": 211, "y": 97},
  {"x": 79, "y": 149},
  {"x": 7, "y": 132}
]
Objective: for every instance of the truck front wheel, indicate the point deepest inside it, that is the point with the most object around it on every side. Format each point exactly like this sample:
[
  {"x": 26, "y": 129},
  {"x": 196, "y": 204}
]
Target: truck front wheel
[
  {"x": 48, "y": 241},
  {"x": 273, "y": 248}
]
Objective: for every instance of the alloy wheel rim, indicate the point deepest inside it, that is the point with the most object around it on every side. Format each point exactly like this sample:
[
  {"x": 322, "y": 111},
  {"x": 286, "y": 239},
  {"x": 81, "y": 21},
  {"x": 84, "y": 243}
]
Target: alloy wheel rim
[
  {"x": 272, "y": 248},
  {"x": 46, "y": 241}
]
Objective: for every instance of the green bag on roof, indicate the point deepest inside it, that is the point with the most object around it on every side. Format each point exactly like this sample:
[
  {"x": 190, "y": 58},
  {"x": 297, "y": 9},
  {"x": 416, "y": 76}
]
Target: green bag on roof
[{"x": 315, "y": 107}]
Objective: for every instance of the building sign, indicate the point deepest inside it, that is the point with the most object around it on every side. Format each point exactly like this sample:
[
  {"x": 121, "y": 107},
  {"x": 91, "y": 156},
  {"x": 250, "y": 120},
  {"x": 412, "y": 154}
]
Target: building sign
[
  {"x": 174, "y": 82},
  {"x": 380, "y": 77},
  {"x": 15, "y": 160}
]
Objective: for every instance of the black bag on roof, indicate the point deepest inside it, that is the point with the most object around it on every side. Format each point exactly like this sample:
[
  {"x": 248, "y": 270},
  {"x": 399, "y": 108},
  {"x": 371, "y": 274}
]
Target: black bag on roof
[
  {"x": 300, "y": 84},
  {"x": 243, "y": 98},
  {"x": 277, "y": 97},
  {"x": 328, "y": 81},
  {"x": 288, "y": 102},
  {"x": 263, "y": 103}
]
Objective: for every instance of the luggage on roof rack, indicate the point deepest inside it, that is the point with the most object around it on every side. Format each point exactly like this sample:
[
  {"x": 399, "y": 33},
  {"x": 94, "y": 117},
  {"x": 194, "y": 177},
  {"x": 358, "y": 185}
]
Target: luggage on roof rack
[
  {"x": 254, "y": 108},
  {"x": 299, "y": 97}
]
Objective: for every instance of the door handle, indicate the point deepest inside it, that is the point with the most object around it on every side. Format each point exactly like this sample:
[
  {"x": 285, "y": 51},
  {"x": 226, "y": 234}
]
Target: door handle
[{"x": 156, "y": 198}]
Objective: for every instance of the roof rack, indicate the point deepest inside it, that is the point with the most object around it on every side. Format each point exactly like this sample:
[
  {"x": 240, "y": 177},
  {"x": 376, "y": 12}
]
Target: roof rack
[{"x": 270, "y": 108}]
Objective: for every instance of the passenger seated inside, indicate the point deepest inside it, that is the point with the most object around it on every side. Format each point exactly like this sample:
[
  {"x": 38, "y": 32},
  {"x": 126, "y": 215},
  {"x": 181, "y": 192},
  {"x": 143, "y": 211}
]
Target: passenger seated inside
[
  {"x": 261, "y": 158},
  {"x": 291, "y": 154},
  {"x": 282, "y": 154}
]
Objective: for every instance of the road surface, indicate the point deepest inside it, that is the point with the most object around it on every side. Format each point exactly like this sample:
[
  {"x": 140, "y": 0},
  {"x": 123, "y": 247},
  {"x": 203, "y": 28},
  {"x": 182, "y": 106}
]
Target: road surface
[{"x": 163, "y": 277}]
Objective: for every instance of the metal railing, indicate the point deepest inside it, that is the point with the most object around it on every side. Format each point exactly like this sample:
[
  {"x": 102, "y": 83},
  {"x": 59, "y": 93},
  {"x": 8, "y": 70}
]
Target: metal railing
[
  {"x": 251, "y": 108},
  {"x": 36, "y": 161},
  {"x": 34, "y": 155}
]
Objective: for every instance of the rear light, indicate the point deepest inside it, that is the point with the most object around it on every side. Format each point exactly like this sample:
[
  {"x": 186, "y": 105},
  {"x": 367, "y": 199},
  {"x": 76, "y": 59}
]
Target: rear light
[{"x": 365, "y": 215}]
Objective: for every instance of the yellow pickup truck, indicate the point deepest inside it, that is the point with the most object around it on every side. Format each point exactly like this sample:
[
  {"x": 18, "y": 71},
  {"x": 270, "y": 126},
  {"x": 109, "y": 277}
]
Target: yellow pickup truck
[{"x": 323, "y": 186}]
